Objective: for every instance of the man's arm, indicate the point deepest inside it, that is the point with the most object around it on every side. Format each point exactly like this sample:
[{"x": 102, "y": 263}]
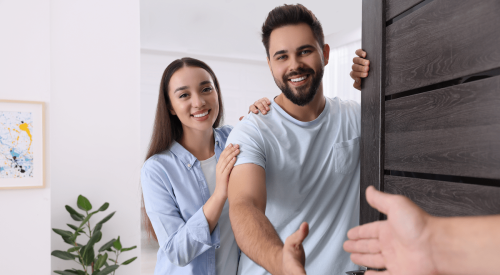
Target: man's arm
[
  {"x": 412, "y": 242},
  {"x": 254, "y": 234}
]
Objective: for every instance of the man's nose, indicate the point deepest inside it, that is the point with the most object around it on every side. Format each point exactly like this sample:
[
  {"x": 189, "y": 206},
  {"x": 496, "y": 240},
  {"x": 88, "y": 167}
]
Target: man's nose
[{"x": 294, "y": 64}]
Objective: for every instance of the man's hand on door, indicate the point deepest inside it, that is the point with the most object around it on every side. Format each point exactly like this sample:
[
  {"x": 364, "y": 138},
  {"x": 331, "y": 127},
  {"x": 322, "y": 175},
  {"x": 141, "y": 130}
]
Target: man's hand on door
[{"x": 360, "y": 68}]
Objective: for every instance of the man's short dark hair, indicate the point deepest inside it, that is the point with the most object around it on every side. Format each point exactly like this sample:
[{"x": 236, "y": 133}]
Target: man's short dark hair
[{"x": 291, "y": 15}]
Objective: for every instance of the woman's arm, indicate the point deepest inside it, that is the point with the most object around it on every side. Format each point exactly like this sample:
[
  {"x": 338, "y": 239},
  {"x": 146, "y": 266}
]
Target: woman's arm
[
  {"x": 180, "y": 240},
  {"x": 213, "y": 206}
]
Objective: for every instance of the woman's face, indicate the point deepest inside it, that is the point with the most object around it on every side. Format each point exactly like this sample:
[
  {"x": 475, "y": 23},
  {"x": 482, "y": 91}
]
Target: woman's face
[{"x": 194, "y": 98}]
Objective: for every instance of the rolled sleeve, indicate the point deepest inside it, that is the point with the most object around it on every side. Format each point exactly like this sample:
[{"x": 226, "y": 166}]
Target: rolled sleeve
[{"x": 181, "y": 240}]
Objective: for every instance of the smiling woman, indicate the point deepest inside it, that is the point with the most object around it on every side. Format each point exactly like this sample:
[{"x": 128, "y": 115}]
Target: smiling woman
[{"x": 185, "y": 176}]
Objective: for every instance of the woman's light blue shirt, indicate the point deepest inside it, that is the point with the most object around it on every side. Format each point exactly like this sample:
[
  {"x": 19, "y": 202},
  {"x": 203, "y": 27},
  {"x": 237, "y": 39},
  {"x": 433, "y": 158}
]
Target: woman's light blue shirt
[{"x": 175, "y": 190}]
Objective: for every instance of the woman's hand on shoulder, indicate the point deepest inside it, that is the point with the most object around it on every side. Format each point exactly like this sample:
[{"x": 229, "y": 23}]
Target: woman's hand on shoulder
[
  {"x": 261, "y": 105},
  {"x": 224, "y": 167}
]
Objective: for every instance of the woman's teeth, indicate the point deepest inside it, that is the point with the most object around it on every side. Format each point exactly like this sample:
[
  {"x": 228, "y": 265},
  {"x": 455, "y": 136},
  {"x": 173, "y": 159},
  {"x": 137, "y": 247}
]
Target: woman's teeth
[
  {"x": 201, "y": 115},
  {"x": 298, "y": 79}
]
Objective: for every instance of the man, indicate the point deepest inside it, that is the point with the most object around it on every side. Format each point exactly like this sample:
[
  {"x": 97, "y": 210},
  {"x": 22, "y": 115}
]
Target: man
[
  {"x": 412, "y": 242},
  {"x": 299, "y": 162}
]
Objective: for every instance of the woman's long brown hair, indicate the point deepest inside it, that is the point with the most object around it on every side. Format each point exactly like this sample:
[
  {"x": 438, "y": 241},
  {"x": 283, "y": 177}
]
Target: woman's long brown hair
[{"x": 167, "y": 128}]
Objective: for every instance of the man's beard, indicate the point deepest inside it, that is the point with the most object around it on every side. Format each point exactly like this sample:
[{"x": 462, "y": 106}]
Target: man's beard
[{"x": 303, "y": 95}]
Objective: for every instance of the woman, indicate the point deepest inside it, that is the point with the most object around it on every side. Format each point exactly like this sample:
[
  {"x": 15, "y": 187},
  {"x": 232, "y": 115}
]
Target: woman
[{"x": 184, "y": 179}]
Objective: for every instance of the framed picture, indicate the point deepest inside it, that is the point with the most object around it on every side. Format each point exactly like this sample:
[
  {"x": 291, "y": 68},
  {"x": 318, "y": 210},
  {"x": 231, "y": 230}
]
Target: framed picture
[{"x": 22, "y": 142}]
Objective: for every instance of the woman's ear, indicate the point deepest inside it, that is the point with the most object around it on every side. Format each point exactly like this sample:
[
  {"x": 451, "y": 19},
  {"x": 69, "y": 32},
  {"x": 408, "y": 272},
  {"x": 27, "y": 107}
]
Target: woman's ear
[{"x": 172, "y": 112}]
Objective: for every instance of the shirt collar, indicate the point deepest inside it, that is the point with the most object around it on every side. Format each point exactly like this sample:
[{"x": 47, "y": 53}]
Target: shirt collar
[{"x": 186, "y": 157}]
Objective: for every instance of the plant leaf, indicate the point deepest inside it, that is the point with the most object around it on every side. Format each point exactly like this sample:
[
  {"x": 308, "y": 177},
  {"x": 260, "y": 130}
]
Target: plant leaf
[
  {"x": 72, "y": 211},
  {"x": 73, "y": 249},
  {"x": 63, "y": 233},
  {"x": 129, "y": 261},
  {"x": 66, "y": 272},
  {"x": 106, "y": 218},
  {"x": 107, "y": 245},
  {"x": 74, "y": 227},
  {"x": 87, "y": 254},
  {"x": 130, "y": 248},
  {"x": 117, "y": 244},
  {"x": 100, "y": 261},
  {"x": 83, "y": 203},
  {"x": 63, "y": 255},
  {"x": 95, "y": 238},
  {"x": 107, "y": 270},
  {"x": 69, "y": 240},
  {"x": 86, "y": 220},
  {"x": 103, "y": 207},
  {"x": 77, "y": 218},
  {"x": 97, "y": 227}
]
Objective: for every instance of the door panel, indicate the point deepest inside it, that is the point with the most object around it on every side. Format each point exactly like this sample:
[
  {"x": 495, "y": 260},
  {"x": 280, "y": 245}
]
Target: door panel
[
  {"x": 444, "y": 40},
  {"x": 441, "y": 198}
]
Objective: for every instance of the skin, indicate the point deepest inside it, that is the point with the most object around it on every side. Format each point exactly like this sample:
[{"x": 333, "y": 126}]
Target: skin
[
  {"x": 192, "y": 91},
  {"x": 360, "y": 68},
  {"x": 296, "y": 47},
  {"x": 413, "y": 242}
]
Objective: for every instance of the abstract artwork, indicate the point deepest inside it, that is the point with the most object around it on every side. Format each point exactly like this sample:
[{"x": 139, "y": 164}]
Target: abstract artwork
[
  {"x": 21, "y": 144},
  {"x": 16, "y": 156}
]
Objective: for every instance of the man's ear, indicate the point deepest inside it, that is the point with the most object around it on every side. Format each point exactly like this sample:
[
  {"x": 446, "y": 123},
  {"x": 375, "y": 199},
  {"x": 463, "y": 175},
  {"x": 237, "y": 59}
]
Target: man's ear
[
  {"x": 326, "y": 53},
  {"x": 269, "y": 65}
]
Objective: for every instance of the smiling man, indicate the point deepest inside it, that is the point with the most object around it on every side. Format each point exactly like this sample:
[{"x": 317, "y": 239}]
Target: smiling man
[{"x": 299, "y": 163}]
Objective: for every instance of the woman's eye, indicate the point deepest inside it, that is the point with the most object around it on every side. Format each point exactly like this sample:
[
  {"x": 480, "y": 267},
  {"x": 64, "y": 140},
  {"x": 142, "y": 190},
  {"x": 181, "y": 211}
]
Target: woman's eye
[
  {"x": 305, "y": 51},
  {"x": 183, "y": 95},
  {"x": 207, "y": 89}
]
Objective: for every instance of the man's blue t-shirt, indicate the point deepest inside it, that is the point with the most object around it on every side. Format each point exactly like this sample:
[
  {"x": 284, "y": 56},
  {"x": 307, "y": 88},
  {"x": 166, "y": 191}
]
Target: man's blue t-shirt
[{"x": 312, "y": 175}]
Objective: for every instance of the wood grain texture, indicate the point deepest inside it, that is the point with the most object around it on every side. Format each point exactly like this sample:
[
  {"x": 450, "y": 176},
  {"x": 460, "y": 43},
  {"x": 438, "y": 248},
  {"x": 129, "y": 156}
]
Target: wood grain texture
[
  {"x": 394, "y": 8},
  {"x": 462, "y": 151},
  {"x": 372, "y": 105},
  {"x": 443, "y": 40},
  {"x": 470, "y": 104},
  {"x": 446, "y": 199},
  {"x": 451, "y": 131}
]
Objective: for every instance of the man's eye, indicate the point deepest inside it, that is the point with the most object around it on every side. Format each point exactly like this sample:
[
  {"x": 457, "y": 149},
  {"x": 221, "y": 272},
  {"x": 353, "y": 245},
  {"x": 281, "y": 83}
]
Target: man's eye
[
  {"x": 281, "y": 57},
  {"x": 207, "y": 89}
]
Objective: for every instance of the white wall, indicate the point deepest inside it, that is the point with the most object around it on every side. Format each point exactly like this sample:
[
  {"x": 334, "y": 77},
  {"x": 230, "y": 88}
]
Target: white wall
[
  {"x": 242, "y": 82},
  {"x": 95, "y": 117},
  {"x": 25, "y": 75},
  {"x": 82, "y": 59}
]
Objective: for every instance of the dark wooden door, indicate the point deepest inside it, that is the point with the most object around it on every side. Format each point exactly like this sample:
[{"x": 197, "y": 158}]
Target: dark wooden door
[{"x": 431, "y": 104}]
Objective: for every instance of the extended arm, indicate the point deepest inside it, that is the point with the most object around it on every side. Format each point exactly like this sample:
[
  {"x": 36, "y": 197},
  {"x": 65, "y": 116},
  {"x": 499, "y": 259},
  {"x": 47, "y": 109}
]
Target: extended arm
[
  {"x": 254, "y": 234},
  {"x": 412, "y": 242}
]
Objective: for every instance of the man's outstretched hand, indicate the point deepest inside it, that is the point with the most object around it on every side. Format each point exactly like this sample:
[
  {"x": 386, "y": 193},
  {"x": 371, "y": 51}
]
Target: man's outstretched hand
[
  {"x": 360, "y": 68},
  {"x": 401, "y": 244},
  {"x": 294, "y": 257}
]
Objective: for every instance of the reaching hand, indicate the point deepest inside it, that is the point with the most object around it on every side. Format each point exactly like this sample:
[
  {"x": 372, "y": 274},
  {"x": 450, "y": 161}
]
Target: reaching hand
[
  {"x": 401, "y": 244},
  {"x": 360, "y": 68},
  {"x": 225, "y": 165},
  {"x": 294, "y": 257},
  {"x": 261, "y": 105}
]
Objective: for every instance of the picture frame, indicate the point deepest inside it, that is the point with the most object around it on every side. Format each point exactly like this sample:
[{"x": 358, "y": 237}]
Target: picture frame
[{"x": 22, "y": 144}]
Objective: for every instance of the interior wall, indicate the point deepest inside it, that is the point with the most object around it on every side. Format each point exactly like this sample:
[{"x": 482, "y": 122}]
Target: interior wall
[
  {"x": 95, "y": 52},
  {"x": 25, "y": 75}
]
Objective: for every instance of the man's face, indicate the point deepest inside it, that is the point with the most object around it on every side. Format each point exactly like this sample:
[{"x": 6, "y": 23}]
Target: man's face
[{"x": 297, "y": 62}]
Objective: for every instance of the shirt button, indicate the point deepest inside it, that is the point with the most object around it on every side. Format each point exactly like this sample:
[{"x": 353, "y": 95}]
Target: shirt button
[
  {"x": 189, "y": 165},
  {"x": 217, "y": 246},
  {"x": 217, "y": 142}
]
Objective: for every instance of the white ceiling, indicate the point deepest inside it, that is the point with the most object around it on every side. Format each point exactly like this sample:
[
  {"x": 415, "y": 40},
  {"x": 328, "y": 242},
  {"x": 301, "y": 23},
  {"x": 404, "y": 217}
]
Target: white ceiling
[{"x": 228, "y": 28}]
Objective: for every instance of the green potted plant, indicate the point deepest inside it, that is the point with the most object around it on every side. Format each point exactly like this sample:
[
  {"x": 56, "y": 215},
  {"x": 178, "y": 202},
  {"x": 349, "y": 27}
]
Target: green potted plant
[{"x": 85, "y": 255}]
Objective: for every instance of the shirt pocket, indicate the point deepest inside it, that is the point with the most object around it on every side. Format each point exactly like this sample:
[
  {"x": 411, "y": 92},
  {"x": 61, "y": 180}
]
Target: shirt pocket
[{"x": 346, "y": 156}]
